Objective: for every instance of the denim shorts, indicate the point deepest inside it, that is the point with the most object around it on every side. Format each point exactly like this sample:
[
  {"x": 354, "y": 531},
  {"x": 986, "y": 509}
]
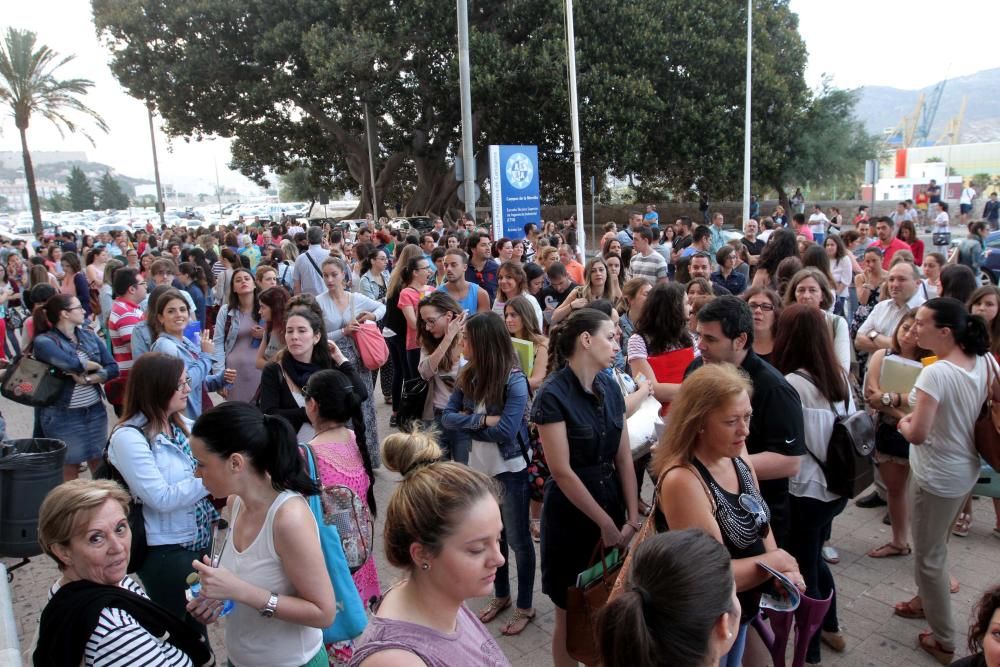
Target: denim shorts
[{"x": 84, "y": 430}]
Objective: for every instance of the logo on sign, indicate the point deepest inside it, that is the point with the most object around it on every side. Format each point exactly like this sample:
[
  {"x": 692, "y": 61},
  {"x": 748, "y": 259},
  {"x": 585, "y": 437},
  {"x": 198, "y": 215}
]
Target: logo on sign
[{"x": 519, "y": 170}]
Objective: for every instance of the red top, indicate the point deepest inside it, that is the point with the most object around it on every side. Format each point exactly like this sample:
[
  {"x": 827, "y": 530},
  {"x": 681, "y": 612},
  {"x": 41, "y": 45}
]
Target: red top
[{"x": 889, "y": 250}]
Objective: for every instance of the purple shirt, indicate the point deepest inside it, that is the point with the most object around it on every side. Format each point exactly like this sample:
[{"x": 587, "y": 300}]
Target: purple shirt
[{"x": 470, "y": 644}]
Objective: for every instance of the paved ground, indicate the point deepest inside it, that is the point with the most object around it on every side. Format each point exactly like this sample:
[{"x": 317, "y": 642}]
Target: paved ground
[{"x": 867, "y": 587}]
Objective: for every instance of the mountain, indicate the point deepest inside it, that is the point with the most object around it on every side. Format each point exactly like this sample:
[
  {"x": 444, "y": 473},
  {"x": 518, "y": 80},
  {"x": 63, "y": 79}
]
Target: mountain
[
  {"x": 882, "y": 107},
  {"x": 59, "y": 171}
]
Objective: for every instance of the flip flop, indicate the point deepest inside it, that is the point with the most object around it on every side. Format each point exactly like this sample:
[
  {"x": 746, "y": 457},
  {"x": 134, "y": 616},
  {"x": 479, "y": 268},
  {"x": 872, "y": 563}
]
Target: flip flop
[
  {"x": 493, "y": 609},
  {"x": 515, "y": 618},
  {"x": 934, "y": 647},
  {"x": 890, "y": 550}
]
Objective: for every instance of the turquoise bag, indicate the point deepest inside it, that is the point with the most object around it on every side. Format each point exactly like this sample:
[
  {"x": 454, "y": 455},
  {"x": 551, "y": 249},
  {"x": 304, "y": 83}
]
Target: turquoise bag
[{"x": 351, "y": 618}]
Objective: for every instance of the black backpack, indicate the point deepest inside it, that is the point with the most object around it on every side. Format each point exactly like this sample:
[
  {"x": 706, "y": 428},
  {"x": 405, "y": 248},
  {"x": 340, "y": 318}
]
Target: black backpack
[
  {"x": 136, "y": 522},
  {"x": 848, "y": 467}
]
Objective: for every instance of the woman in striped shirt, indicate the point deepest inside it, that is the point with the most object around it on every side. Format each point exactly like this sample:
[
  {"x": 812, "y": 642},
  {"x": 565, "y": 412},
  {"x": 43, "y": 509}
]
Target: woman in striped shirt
[{"x": 96, "y": 615}]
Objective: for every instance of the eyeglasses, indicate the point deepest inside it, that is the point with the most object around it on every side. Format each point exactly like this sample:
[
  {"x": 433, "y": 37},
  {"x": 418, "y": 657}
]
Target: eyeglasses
[
  {"x": 431, "y": 321},
  {"x": 184, "y": 384},
  {"x": 759, "y": 512},
  {"x": 74, "y": 308},
  {"x": 764, "y": 307},
  {"x": 423, "y": 268}
]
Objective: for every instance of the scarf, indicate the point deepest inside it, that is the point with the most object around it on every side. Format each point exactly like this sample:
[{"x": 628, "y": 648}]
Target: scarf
[
  {"x": 70, "y": 617},
  {"x": 299, "y": 372}
]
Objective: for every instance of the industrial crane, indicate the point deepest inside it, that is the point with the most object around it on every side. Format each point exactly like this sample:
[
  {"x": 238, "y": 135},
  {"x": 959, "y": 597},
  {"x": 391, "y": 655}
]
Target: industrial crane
[{"x": 914, "y": 128}]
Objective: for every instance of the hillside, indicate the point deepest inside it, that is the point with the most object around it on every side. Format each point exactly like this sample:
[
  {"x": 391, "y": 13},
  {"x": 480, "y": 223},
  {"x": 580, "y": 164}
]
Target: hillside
[
  {"x": 59, "y": 171},
  {"x": 881, "y": 107}
]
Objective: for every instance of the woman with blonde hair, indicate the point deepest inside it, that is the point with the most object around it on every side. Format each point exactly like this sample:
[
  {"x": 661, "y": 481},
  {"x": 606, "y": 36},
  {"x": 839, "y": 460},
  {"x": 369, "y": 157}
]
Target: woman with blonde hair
[
  {"x": 519, "y": 316},
  {"x": 597, "y": 285},
  {"x": 512, "y": 282},
  {"x": 630, "y": 304},
  {"x": 706, "y": 481},
  {"x": 442, "y": 528}
]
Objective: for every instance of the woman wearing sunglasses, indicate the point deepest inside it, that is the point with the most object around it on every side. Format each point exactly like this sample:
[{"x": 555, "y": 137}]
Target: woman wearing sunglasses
[
  {"x": 707, "y": 482},
  {"x": 804, "y": 354}
]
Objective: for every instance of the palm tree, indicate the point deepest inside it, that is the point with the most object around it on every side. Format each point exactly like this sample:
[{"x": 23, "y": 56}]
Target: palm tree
[{"x": 28, "y": 85}]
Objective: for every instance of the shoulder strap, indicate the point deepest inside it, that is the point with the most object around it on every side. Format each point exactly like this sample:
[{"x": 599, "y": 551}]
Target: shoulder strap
[
  {"x": 694, "y": 471},
  {"x": 313, "y": 262}
]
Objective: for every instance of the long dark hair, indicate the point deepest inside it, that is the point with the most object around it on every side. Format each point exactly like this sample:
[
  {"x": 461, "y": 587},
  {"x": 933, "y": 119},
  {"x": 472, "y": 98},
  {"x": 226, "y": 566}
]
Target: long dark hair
[
  {"x": 782, "y": 244},
  {"x": 668, "y": 620},
  {"x": 338, "y": 400},
  {"x": 161, "y": 303},
  {"x": 195, "y": 273},
  {"x": 321, "y": 353},
  {"x": 234, "y": 299},
  {"x": 994, "y": 326},
  {"x": 958, "y": 281},
  {"x": 268, "y": 441},
  {"x": 484, "y": 377},
  {"x": 969, "y": 331},
  {"x": 152, "y": 381},
  {"x": 804, "y": 343},
  {"x": 663, "y": 322},
  {"x": 562, "y": 337},
  {"x": 446, "y": 304}
]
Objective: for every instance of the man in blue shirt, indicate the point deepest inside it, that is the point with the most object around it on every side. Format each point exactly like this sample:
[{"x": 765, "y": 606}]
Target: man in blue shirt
[
  {"x": 652, "y": 218},
  {"x": 634, "y": 222},
  {"x": 482, "y": 269},
  {"x": 717, "y": 240}
]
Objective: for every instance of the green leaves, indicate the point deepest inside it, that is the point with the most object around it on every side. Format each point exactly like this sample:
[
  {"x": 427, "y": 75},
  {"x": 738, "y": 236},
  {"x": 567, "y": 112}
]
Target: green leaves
[{"x": 81, "y": 195}]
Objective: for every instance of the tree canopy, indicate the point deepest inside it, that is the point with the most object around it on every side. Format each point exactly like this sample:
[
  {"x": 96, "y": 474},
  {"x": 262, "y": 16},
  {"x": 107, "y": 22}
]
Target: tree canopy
[
  {"x": 110, "y": 194},
  {"x": 81, "y": 195},
  {"x": 660, "y": 82}
]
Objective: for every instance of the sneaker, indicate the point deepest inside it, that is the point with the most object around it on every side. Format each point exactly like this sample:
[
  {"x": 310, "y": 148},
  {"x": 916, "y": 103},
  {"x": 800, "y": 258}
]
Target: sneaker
[
  {"x": 870, "y": 501},
  {"x": 830, "y": 555},
  {"x": 394, "y": 420}
]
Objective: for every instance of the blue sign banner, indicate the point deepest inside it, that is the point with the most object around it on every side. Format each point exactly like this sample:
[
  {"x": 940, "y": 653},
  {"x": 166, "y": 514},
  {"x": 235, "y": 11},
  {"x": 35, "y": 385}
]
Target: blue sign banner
[{"x": 514, "y": 189}]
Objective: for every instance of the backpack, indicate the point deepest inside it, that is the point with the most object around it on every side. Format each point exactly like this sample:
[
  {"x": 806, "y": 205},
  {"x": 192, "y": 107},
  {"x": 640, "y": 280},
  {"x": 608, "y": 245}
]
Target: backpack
[
  {"x": 848, "y": 467},
  {"x": 136, "y": 523}
]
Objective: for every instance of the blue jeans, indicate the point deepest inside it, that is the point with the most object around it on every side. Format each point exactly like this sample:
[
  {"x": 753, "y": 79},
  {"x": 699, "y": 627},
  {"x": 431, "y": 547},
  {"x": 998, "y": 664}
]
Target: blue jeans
[
  {"x": 735, "y": 656},
  {"x": 84, "y": 430},
  {"x": 514, "y": 510}
]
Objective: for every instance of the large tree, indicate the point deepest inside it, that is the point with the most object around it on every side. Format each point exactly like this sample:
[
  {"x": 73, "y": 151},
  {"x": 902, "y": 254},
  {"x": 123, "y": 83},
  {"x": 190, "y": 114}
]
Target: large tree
[
  {"x": 81, "y": 194},
  {"x": 660, "y": 87},
  {"x": 29, "y": 85},
  {"x": 110, "y": 194}
]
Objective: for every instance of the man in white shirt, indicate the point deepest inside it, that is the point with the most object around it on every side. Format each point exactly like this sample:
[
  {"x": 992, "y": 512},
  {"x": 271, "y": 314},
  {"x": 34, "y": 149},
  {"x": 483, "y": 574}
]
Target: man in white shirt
[
  {"x": 817, "y": 224},
  {"x": 906, "y": 292},
  {"x": 965, "y": 202},
  {"x": 308, "y": 277}
]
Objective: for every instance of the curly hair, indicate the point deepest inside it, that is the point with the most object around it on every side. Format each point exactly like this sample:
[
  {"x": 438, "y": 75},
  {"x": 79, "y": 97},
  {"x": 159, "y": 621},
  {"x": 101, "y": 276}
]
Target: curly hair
[{"x": 663, "y": 322}]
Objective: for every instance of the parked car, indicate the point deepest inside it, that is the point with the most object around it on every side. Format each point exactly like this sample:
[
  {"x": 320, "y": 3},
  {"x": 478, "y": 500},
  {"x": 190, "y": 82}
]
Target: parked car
[{"x": 990, "y": 272}]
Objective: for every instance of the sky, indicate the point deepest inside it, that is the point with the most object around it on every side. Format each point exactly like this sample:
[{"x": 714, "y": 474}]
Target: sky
[{"x": 857, "y": 42}]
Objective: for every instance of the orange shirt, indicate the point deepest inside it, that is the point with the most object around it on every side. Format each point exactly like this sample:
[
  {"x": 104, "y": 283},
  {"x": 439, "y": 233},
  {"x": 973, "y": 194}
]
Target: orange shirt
[{"x": 575, "y": 271}]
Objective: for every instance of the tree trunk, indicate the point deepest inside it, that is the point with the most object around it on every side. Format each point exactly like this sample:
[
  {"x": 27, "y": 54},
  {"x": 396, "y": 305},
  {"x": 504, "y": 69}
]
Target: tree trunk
[
  {"x": 29, "y": 177},
  {"x": 783, "y": 200}
]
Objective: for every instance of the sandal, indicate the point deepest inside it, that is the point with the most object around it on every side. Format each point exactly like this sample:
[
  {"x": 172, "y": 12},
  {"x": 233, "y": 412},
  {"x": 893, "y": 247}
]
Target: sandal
[
  {"x": 493, "y": 609},
  {"x": 962, "y": 525},
  {"x": 909, "y": 609},
  {"x": 934, "y": 647},
  {"x": 890, "y": 550},
  {"x": 517, "y": 622},
  {"x": 535, "y": 526}
]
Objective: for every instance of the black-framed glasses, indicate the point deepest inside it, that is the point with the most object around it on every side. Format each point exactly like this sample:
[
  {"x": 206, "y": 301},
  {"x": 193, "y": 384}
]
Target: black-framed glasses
[
  {"x": 431, "y": 321},
  {"x": 758, "y": 511},
  {"x": 765, "y": 307}
]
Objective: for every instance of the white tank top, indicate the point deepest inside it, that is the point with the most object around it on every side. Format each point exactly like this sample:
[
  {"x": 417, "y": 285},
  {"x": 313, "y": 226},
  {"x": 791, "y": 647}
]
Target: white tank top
[{"x": 252, "y": 639}]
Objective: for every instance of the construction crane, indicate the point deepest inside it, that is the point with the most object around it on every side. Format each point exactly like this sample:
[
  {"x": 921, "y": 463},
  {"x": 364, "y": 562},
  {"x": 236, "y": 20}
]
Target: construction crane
[
  {"x": 953, "y": 130},
  {"x": 914, "y": 128}
]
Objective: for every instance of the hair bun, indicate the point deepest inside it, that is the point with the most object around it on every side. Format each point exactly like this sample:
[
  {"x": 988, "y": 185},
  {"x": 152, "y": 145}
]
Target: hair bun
[{"x": 407, "y": 452}]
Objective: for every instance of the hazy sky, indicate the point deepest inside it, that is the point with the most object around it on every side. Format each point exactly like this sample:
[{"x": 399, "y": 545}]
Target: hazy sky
[{"x": 858, "y": 42}]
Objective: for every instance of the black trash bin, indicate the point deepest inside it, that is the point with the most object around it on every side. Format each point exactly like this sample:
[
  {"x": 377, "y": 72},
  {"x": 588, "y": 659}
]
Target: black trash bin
[{"x": 29, "y": 469}]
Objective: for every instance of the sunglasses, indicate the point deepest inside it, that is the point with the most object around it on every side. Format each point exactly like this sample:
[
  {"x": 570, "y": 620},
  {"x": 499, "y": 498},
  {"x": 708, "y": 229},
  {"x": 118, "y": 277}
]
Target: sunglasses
[{"x": 756, "y": 508}]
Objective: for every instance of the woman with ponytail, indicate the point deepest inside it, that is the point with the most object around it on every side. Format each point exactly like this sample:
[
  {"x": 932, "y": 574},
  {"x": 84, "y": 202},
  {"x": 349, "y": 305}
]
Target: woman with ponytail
[
  {"x": 946, "y": 401},
  {"x": 442, "y": 528},
  {"x": 689, "y": 618},
  {"x": 272, "y": 565},
  {"x": 333, "y": 399},
  {"x": 192, "y": 278},
  {"x": 592, "y": 496},
  {"x": 78, "y": 417}
]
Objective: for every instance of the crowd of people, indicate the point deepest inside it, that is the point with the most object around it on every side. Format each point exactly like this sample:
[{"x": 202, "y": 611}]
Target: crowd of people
[{"x": 220, "y": 350}]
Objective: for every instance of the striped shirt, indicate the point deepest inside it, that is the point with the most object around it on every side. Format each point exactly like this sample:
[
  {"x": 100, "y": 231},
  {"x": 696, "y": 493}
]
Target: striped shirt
[
  {"x": 118, "y": 639},
  {"x": 124, "y": 316},
  {"x": 651, "y": 266},
  {"x": 84, "y": 395}
]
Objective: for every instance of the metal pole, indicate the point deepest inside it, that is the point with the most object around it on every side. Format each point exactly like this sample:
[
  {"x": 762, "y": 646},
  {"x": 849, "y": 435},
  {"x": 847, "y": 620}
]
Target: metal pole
[
  {"x": 465, "y": 88},
  {"x": 156, "y": 165},
  {"x": 746, "y": 120},
  {"x": 371, "y": 162},
  {"x": 218, "y": 188},
  {"x": 574, "y": 116}
]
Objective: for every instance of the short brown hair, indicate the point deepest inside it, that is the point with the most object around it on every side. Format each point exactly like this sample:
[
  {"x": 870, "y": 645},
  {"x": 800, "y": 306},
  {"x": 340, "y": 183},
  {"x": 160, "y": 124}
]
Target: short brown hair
[
  {"x": 826, "y": 298},
  {"x": 71, "y": 504},
  {"x": 433, "y": 498},
  {"x": 161, "y": 266}
]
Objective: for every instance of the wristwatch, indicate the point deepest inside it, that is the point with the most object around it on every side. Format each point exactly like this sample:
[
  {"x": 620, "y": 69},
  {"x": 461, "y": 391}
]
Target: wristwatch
[
  {"x": 270, "y": 607},
  {"x": 887, "y": 400},
  {"x": 872, "y": 335}
]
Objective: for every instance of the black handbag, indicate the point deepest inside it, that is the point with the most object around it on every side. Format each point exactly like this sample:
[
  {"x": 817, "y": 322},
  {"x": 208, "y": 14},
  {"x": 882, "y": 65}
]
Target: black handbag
[
  {"x": 412, "y": 399},
  {"x": 136, "y": 523},
  {"x": 16, "y": 315},
  {"x": 941, "y": 238},
  {"x": 29, "y": 381}
]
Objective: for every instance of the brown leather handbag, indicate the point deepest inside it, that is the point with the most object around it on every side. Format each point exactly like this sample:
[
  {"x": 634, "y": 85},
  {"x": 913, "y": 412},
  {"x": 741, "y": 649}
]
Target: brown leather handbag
[
  {"x": 583, "y": 604},
  {"x": 987, "y": 428}
]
